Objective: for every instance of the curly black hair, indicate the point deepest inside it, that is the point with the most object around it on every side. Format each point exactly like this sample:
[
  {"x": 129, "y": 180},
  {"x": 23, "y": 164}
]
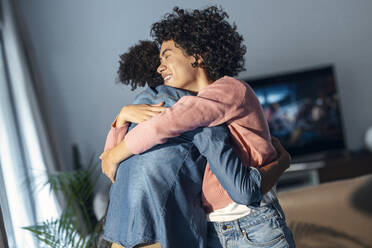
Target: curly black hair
[
  {"x": 138, "y": 66},
  {"x": 206, "y": 33}
]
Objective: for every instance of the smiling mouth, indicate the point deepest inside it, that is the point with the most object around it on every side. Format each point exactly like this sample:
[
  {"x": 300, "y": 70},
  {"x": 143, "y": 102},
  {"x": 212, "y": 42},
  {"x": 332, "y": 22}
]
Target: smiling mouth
[{"x": 167, "y": 78}]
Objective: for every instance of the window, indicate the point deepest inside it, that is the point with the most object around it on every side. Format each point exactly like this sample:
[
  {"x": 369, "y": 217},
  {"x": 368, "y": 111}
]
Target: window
[{"x": 24, "y": 152}]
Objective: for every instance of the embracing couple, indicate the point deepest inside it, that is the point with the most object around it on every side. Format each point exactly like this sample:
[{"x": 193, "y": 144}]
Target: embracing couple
[{"x": 204, "y": 168}]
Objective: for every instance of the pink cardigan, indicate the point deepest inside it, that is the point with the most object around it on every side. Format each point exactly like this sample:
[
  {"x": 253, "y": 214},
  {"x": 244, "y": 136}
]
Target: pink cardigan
[{"x": 227, "y": 100}]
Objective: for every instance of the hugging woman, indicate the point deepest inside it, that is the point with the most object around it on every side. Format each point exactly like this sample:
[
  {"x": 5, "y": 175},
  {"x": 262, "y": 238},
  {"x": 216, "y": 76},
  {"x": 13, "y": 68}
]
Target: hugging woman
[{"x": 167, "y": 193}]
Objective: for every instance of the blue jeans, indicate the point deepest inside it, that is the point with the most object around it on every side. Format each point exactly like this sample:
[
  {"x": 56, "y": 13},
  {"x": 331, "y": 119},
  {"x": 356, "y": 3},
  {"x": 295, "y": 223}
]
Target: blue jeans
[{"x": 264, "y": 227}]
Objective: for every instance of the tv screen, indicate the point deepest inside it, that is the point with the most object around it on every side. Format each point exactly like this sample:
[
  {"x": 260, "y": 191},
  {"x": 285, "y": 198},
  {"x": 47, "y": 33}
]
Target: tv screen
[{"x": 302, "y": 109}]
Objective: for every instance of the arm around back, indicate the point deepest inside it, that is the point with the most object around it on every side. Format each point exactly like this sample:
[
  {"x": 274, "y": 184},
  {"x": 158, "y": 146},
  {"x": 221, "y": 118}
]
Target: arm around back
[
  {"x": 209, "y": 108},
  {"x": 242, "y": 183}
]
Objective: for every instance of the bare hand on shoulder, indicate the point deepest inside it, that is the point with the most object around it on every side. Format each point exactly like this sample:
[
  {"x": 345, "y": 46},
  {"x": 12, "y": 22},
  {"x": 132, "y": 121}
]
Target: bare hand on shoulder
[{"x": 137, "y": 113}]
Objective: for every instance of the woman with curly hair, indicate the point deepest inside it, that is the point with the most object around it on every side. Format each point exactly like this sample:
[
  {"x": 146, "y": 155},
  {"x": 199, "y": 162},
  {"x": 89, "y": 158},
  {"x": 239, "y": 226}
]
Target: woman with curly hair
[
  {"x": 137, "y": 67},
  {"x": 200, "y": 52}
]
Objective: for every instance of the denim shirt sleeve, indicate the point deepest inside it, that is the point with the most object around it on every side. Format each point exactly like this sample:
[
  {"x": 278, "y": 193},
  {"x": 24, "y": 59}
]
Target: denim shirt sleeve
[{"x": 242, "y": 183}]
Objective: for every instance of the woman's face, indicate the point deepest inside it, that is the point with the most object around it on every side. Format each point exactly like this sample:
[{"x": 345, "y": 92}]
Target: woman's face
[{"x": 175, "y": 67}]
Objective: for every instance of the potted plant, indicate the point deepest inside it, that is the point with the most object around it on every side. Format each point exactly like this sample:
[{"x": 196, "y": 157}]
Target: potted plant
[{"x": 77, "y": 225}]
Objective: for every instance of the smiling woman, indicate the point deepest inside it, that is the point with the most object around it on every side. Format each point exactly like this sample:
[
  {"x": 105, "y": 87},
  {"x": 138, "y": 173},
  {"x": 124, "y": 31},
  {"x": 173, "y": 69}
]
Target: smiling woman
[
  {"x": 192, "y": 61},
  {"x": 206, "y": 33},
  {"x": 180, "y": 70}
]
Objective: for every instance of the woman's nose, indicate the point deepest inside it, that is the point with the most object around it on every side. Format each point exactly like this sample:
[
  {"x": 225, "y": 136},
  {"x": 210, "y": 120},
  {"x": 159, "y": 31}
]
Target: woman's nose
[{"x": 161, "y": 68}]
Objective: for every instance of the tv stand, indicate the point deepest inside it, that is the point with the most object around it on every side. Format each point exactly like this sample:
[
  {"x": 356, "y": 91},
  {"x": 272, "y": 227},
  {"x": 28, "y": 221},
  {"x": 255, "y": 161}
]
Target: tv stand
[{"x": 329, "y": 169}]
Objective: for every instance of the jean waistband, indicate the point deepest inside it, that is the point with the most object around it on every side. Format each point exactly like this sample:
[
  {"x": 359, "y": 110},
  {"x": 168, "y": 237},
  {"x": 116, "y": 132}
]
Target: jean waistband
[{"x": 257, "y": 214}]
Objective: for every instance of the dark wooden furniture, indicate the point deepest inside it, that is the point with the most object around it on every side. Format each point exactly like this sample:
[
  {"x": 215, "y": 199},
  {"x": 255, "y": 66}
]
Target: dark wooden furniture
[{"x": 345, "y": 166}]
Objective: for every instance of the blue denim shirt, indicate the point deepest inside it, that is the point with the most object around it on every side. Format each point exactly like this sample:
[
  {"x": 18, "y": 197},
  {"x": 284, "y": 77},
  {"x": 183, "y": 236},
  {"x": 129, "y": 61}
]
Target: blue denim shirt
[{"x": 157, "y": 194}]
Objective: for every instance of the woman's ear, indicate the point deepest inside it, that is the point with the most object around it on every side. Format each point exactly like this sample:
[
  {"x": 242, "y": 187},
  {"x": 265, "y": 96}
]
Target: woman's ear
[{"x": 198, "y": 60}]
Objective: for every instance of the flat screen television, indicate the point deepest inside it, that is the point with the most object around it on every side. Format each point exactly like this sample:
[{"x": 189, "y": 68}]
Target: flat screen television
[{"x": 303, "y": 110}]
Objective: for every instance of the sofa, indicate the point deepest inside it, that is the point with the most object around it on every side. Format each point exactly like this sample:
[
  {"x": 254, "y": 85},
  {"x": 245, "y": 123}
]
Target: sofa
[{"x": 336, "y": 214}]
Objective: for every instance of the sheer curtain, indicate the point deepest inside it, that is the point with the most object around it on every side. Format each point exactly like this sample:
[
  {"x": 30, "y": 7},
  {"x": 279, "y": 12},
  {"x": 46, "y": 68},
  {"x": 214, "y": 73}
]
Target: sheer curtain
[{"x": 25, "y": 154}]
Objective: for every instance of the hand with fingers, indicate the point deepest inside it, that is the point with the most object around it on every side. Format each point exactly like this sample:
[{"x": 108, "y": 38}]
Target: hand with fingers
[
  {"x": 137, "y": 113},
  {"x": 109, "y": 165},
  {"x": 283, "y": 156},
  {"x": 271, "y": 172}
]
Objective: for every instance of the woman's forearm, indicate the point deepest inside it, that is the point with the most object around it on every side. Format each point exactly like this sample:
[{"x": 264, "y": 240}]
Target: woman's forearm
[
  {"x": 115, "y": 135},
  {"x": 120, "y": 152},
  {"x": 188, "y": 113}
]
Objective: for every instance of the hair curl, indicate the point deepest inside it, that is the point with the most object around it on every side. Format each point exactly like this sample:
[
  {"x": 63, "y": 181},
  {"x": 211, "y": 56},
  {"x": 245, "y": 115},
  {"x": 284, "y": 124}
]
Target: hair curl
[
  {"x": 206, "y": 33},
  {"x": 138, "y": 66}
]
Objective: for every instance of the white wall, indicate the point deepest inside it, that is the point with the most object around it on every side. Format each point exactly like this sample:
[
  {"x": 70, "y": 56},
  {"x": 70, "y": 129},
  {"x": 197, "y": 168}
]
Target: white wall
[{"x": 76, "y": 45}]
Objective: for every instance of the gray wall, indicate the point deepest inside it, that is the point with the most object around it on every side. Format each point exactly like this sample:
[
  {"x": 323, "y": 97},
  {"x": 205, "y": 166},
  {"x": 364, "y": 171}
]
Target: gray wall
[{"x": 76, "y": 44}]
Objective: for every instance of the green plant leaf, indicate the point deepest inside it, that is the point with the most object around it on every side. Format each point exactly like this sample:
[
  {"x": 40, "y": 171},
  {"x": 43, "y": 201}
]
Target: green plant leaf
[{"x": 77, "y": 225}]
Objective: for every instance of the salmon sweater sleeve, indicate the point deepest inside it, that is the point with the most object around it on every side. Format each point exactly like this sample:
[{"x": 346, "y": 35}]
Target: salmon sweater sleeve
[
  {"x": 115, "y": 135},
  {"x": 214, "y": 105}
]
